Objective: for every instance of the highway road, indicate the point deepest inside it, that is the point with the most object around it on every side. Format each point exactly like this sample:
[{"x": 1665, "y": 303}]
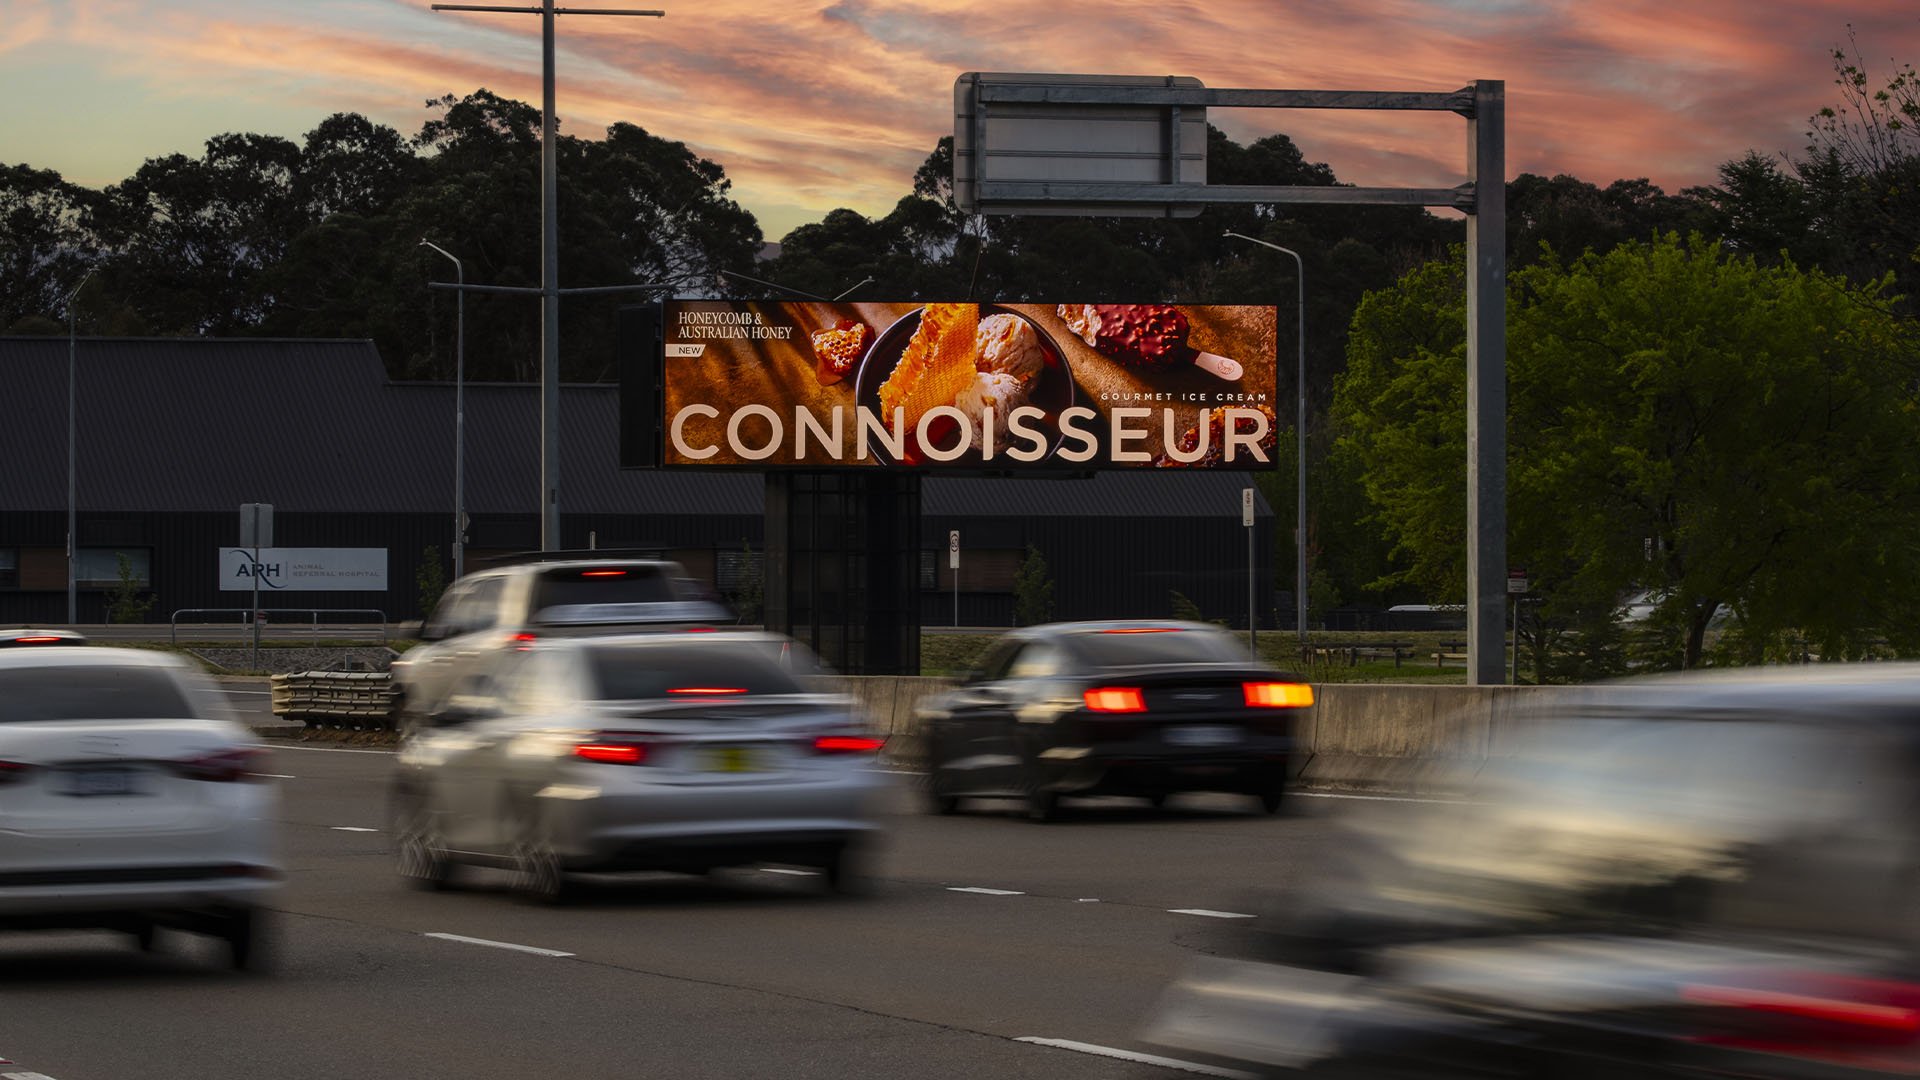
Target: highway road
[{"x": 979, "y": 931}]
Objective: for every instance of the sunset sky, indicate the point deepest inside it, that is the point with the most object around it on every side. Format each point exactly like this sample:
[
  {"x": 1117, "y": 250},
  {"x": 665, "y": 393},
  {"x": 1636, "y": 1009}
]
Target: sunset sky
[{"x": 812, "y": 105}]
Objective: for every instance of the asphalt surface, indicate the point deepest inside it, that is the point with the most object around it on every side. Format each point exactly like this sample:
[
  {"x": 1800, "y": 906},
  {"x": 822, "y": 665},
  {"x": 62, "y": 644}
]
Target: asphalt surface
[{"x": 744, "y": 973}]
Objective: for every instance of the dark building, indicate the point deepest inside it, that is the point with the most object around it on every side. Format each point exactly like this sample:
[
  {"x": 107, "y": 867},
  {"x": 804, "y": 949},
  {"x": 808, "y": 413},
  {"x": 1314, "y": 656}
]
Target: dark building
[{"x": 174, "y": 434}]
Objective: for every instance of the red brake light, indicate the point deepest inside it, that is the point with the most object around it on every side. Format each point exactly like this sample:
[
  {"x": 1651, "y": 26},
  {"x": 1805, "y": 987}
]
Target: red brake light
[
  {"x": 1142, "y": 630},
  {"x": 603, "y": 573},
  {"x": 612, "y": 753},
  {"x": 848, "y": 744},
  {"x": 223, "y": 766},
  {"x": 36, "y": 639},
  {"x": 1115, "y": 699},
  {"x": 699, "y": 629},
  {"x": 707, "y": 691},
  {"x": 1278, "y": 695},
  {"x": 1819, "y": 1017}
]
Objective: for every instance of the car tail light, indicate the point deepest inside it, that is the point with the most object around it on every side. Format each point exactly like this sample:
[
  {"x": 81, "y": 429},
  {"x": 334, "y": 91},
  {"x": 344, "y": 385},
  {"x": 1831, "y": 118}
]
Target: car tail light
[
  {"x": 223, "y": 766},
  {"x": 1142, "y": 630},
  {"x": 1115, "y": 699},
  {"x": 707, "y": 691},
  {"x": 1278, "y": 695},
  {"x": 37, "y": 639},
  {"x": 12, "y": 772},
  {"x": 603, "y": 573},
  {"x": 699, "y": 629},
  {"x": 848, "y": 744},
  {"x": 1821, "y": 1016},
  {"x": 612, "y": 753}
]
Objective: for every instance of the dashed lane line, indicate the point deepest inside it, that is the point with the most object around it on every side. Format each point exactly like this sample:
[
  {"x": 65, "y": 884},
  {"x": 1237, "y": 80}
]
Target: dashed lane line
[
  {"x": 351, "y": 828},
  {"x": 984, "y": 892},
  {"x": 464, "y": 940},
  {"x": 1209, "y": 913},
  {"x": 795, "y": 873},
  {"x": 1145, "y": 1059}
]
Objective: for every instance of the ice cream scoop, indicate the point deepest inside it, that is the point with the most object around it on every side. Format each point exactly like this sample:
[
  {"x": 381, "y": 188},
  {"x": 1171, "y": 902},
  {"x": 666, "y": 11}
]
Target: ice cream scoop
[
  {"x": 996, "y": 392},
  {"x": 1146, "y": 336},
  {"x": 1009, "y": 346}
]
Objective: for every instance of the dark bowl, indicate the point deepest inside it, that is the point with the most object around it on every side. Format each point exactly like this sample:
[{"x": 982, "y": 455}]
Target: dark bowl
[{"x": 1052, "y": 392}]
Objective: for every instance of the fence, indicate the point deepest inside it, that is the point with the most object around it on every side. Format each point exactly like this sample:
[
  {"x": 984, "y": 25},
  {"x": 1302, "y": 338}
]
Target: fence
[{"x": 241, "y": 620}]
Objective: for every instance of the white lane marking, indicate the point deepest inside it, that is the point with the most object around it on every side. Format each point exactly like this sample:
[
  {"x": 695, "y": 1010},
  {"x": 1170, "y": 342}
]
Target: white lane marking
[
  {"x": 260, "y": 693},
  {"x": 499, "y": 944},
  {"x": 903, "y": 772},
  {"x": 1088, "y": 900},
  {"x": 331, "y": 750},
  {"x": 1374, "y": 798},
  {"x": 985, "y": 892},
  {"x": 1145, "y": 1059},
  {"x": 352, "y": 828},
  {"x": 795, "y": 873},
  {"x": 26, "y": 1076},
  {"x": 275, "y": 775},
  {"x": 1209, "y": 913}
]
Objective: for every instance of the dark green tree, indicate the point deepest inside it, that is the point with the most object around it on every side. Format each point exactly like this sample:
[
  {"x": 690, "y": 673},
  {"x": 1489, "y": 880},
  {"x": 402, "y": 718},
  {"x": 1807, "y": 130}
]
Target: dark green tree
[{"x": 1032, "y": 590}]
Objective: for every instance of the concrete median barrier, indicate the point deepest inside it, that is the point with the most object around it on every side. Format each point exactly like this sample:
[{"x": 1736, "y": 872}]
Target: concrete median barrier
[{"x": 1386, "y": 737}]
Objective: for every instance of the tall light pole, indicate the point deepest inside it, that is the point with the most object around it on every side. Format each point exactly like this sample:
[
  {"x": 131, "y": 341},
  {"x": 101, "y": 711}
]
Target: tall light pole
[
  {"x": 549, "y": 256},
  {"x": 1300, "y": 494},
  {"x": 73, "y": 605},
  {"x": 459, "y": 412}
]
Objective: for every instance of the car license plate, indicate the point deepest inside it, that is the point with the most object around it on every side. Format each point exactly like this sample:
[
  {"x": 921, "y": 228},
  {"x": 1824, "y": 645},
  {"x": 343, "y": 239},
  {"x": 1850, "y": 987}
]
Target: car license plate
[
  {"x": 1203, "y": 735},
  {"x": 732, "y": 759},
  {"x": 88, "y": 782}
]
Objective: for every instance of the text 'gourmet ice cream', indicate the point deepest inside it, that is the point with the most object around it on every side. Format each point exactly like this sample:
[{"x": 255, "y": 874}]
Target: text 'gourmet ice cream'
[{"x": 847, "y": 435}]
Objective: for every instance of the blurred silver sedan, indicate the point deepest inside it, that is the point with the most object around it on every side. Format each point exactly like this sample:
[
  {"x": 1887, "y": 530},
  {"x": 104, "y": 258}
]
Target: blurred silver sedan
[{"x": 679, "y": 752}]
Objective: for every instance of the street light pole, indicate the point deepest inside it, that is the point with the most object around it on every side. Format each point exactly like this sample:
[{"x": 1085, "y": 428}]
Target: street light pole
[
  {"x": 1300, "y": 428},
  {"x": 549, "y": 255},
  {"x": 73, "y": 606},
  {"x": 459, "y": 413}
]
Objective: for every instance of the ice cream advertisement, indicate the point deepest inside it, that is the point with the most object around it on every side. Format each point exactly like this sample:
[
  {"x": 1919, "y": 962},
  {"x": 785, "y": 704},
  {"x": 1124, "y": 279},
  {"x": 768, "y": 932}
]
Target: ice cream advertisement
[{"x": 968, "y": 387}]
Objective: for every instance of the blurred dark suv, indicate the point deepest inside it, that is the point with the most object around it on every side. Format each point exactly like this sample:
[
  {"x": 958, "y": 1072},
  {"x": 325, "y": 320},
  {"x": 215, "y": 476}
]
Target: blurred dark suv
[
  {"x": 487, "y": 613},
  {"x": 1685, "y": 876}
]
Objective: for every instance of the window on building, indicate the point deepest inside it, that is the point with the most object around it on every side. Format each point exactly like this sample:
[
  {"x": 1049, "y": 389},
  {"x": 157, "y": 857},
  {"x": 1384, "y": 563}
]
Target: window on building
[
  {"x": 735, "y": 571},
  {"x": 99, "y": 568},
  {"x": 9, "y": 568},
  {"x": 929, "y": 571}
]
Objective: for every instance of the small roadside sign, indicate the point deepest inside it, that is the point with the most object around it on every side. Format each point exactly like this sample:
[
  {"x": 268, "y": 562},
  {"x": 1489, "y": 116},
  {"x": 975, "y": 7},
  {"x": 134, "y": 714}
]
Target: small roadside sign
[
  {"x": 1246, "y": 507},
  {"x": 1516, "y": 581},
  {"x": 953, "y": 550}
]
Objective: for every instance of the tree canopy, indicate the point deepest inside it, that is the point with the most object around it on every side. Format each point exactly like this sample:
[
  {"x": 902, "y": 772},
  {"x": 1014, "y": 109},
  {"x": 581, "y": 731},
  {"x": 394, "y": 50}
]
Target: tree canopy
[{"x": 1681, "y": 419}]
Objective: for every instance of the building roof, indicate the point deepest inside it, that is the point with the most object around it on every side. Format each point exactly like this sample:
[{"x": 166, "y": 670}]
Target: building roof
[{"x": 205, "y": 424}]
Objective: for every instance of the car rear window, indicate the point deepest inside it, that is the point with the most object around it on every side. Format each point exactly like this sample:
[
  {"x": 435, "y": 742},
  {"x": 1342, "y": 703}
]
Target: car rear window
[
  {"x": 90, "y": 693},
  {"x": 712, "y": 669},
  {"x": 592, "y": 585},
  {"x": 1108, "y": 649}
]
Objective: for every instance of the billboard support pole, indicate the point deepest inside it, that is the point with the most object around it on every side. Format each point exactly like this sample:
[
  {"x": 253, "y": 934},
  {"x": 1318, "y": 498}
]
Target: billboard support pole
[{"x": 1487, "y": 386}]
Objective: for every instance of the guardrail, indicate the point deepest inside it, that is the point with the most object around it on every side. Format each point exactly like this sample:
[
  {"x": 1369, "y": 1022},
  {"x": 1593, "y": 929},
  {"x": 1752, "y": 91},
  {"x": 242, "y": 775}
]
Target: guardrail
[
  {"x": 358, "y": 699},
  {"x": 271, "y": 618}
]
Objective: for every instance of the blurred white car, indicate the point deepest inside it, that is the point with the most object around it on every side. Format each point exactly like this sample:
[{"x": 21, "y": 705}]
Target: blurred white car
[
  {"x": 657, "y": 751},
  {"x": 129, "y": 800}
]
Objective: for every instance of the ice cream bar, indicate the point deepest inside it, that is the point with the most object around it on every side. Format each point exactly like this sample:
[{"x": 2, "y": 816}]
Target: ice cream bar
[{"x": 1148, "y": 336}]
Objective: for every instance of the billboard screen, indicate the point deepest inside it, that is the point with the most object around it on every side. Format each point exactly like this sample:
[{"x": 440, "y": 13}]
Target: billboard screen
[{"x": 967, "y": 386}]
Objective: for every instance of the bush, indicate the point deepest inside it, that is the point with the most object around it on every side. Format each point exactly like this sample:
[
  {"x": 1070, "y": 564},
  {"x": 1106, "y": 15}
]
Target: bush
[
  {"x": 1032, "y": 590},
  {"x": 124, "y": 602},
  {"x": 431, "y": 579}
]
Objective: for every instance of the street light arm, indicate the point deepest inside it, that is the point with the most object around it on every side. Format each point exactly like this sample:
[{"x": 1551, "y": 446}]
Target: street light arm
[{"x": 459, "y": 268}]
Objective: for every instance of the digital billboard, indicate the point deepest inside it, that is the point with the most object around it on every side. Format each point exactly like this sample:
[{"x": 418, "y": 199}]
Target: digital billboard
[{"x": 967, "y": 386}]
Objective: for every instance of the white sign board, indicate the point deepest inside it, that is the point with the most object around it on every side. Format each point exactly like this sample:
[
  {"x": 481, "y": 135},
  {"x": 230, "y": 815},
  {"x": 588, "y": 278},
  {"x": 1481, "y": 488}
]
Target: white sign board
[
  {"x": 953, "y": 550},
  {"x": 1246, "y": 507},
  {"x": 304, "y": 569}
]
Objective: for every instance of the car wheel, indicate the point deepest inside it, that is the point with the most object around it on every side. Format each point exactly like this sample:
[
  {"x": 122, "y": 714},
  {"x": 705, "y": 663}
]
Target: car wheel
[
  {"x": 245, "y": 934},
  {"x": 1271, "y": 799},
  {"x": 842, "y": 872},
  {"x": 939, "y": 801},
  {"x": 537, "y": 873},
  {"x": 146, "y": 936},
  {"x": 1042, "y": 805},
  {"x": 420, "y": 853},
  {"x": 1157, "y": 800}
]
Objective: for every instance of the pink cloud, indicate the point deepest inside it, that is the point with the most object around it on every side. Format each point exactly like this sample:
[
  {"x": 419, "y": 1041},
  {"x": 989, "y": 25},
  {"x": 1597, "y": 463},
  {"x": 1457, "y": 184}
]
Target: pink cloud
[{"x": 836, "y": 102}]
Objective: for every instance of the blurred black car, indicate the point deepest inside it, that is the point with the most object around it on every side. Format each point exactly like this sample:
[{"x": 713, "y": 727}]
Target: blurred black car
[
  {"x": 1116, "y": 708},
  {"x": 1682, "y": 877}
]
